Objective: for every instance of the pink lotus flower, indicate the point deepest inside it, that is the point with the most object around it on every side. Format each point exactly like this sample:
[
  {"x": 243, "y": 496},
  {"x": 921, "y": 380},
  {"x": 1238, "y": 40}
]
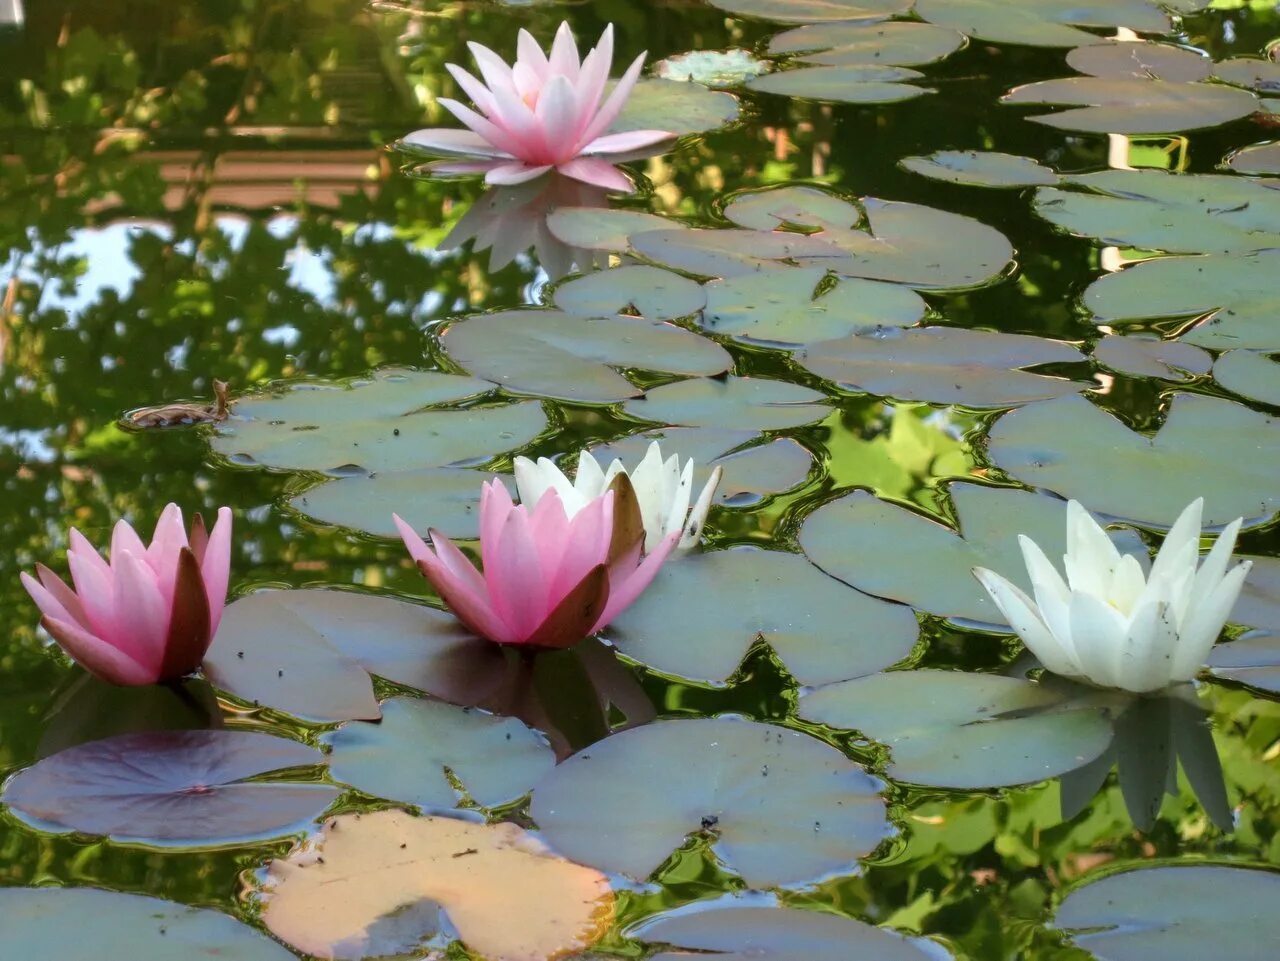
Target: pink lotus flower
[
  {"x": 542, "y": 112},
  {"x": 549, "y": 580},
  {"x": 150, "y": 614}
]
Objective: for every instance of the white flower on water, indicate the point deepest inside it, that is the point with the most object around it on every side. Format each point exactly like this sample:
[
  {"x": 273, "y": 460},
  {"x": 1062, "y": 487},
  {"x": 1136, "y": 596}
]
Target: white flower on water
[
  {"x": 662, "y": 488},
  {"x": 1113, "y": 624}
]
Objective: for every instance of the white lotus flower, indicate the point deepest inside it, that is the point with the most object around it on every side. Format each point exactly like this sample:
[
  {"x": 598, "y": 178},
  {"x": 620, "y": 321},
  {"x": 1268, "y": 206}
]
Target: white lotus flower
[
  {"x": 662, "y": 489},
  {"x": 1111, "y": 623}
]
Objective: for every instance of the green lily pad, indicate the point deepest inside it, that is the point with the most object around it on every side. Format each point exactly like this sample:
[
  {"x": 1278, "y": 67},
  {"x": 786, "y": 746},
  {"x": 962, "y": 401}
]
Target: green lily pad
[
  {"x": 375, "y": 424},
  {"x": 1132, "y": 106},
  {"x": 731, "y": 403},
  {"x": 860, "y": 83},
  {"x": 1259, "y": 604},
  {"x": 712, "y": 68},
  {"x": 791, "y": 205},
  {"x": 405, "y": 756},
  {"x": 614, "y": 806},
  {"x": 1146, "y": 60},
  {"x": 958, "y": 730},
  {"x": 1234, "y": 300},
  {"x": 728, "y": 602},
  {"x": 1146, "y": 356},
  {"x": 554, "y": 354},
  {"x": 310, "y": 653},
  {"x": 892, "y": 552},
  {"x": 1042, "y": 23},
  {"x": 897, "y": 43},
  {"x": 1253, "y": 660},
  {"x": 945, "y": 365},
  {"x": 790, "y": 306},
  {"x": 45, "y": 922},
  {"x": 811, "y": 11},
  {"x": 1250, "y": 373},
  {"x": 730, "y": 253},
  {"x": 655, "y": 293},
  {"x": 601, "y": 228},
  {"x": 980, "y": 168},
  {"x": 750, "y": 932},
  {"x": 675, "y": 106},
  {"x": 1261, "y": 158},
  {"x": 1254, "y": 72},
  {"x": 1180, "y": 912},
  {"x": 1178, "y": 213},
  {"x": 1207, "y": 447}
]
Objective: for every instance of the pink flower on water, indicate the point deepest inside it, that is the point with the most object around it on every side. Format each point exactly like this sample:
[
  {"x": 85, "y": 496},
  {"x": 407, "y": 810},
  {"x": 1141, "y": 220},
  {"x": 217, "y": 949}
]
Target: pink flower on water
[
  {"x": 549, "y": 580},
  {"x": 541, "y": 112},
  {"x": 150, "y": 613}
]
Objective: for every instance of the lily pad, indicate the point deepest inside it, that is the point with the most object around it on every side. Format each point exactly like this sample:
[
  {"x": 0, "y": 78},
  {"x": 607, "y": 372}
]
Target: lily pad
[
  {"x": 1132, "y": 106},
  {"x": 860, "y": 83},
  {"x": 790, "y": 306},
  {"x": 1250, "y": 373},
  {"x": 558, "y": 355},
  {"x": 1146, "y": 60},
  {"x": 375, "y": 424},
  {"x": 731, "y": 403},
  {"x": 1259, "y": 604},
  {"x": 1234, "y": 300},
  {"x": 505, "y": 895},
  {"x": 174, "y": 787},
  {"x": 46, "y": 923},
  {"x": 615, "y": 806},
  {"x": 728, "y": 601},
  {"x": 958, "y": 730},
  {"x": 1261, "y": 158},
  {"x": 712, "y": 68},
  {"x": 729, "y": 253},
  {"x": 791, "y": 205},
  {"x": 892, "y": 552},
  {"x": 751, "y": 932},
  {"x": 310, "y": 652},
  {"x": 675, "y": 106},
  {"x": 1254, "y": 72},
  {"x": 1183, "y": 213},
  {"x": 1253, "y": 660},
  {"x": 1182, "y": 912},
  {"x": 405, "y": 756},
  {"x": 1207, "y": 447},
  {"x": 1152, "y": 357},
  {"x": 1042, "y": 23},
  {"x": 945, "y": 365},
  {"x": 898, "y": 43},
  {"x": 811, "y": 11},
  {"x": 980, "y": 168},
  {"x": 601, "y": 228},
  {"x": 656, "y": 294}
]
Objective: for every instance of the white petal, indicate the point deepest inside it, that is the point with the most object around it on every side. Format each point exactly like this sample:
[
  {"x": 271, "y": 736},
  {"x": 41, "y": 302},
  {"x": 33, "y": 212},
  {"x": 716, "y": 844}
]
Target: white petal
[
  {"x": 1127, "y": 584},
  {"x": 678, "y": 503},
  {"x": 1214, "y": 566},
  {"x": 1099, "y": 636},
  {"x": 1203, "y": 623},
  {"x": 626, "y": 141},
  {"x": 1053, "y": 597},
  {"x": 1181, "y": 547},
  {"x": 590, "y": 481},
  {"x": 1146, "y": 663},
  {"x": 1021, "y": 613},
  {"x": 531, "y": 481},
  {"x": 698, "y": 516},
  {"x": 1091, "y": 557}
]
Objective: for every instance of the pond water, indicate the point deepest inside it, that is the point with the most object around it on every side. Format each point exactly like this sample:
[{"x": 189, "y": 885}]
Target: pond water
[{"x": 912, "y": 275}]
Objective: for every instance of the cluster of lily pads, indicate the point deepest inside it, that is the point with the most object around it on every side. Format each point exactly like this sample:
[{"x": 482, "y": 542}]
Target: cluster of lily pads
[{"x": 837, "y": 286}]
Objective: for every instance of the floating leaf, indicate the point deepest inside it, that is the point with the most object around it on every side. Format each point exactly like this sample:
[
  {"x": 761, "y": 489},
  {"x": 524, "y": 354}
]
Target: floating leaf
[
  {"x": 1259, "y": 604},
  {"x": 404, "y": 756},
  {"x": 376, "y": 424},
  {"x": 731, "y": 403},
  {"x": 897, "y": 43},
  {"x": 1207, "y": 447},
  {"x": 1146, "y": 60},
  {"x": 508, "y": 898},
  {"x": 1234, "y": 298},
  {"x": 599, "y": 228},
  {"x": 945, "y": 365},
  {"x": 789, "y": 306},
  {"x": 1182, "y": 213},
  {"x": 861, "y": 83},
  {"x": 728, "y": 601},
  {"x": 310, "y": 652},
  {"x": 676, "y": 107},
  {"x": 742, "y": 932},
  {"x": 792, "y": 205},
  {"x": 980, "y": 168},
  {"x": 1131, "y": 106},
  {"x": 712, "y": 68},
  {"x": 810, "y": 11},
  {"x": 47, "y": 923},
  {"x": 742, "y": 785},
  {"x": 1251, "y": 374},
  {"x": 729, "y": 253},
  {"x": 656, "y": 294},
  {"x": 958, "y": 730},
  {"x": 1182, "y": 912},
  {"x": 180, "y": 787},
  {"x": 1042, "y": 23},
  {"x": 1261, "y": 75},
  {"x": 1262, "y": 158},
  {"x": 892, "y": 552},
  {"x": 1253, "y": 660},
  {"x": 553, "y": 354},
  {"x": 1152, "y": 357}
]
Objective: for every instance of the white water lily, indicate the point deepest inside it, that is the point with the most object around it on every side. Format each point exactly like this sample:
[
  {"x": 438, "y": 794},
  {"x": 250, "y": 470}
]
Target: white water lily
[
  {"x": 1110, "y": 622},
  {"x": 662, "y": 488}
]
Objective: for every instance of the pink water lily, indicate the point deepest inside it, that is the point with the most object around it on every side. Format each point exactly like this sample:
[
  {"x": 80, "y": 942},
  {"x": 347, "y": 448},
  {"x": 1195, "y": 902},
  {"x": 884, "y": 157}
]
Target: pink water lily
[
  {"x": 549, "y": 580},
  {"x": 542, "y": 112},
  {"x": 148, "y": 614}
]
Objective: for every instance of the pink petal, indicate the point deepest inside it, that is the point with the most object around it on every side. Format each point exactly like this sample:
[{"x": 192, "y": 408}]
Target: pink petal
[
  {"x": 528, "y": 82},
  {"x": 95, "y": 588},
  {"x": 600, "y": 173},
  {"x": 169, "y": 538},
  {"x": 416, "y": 546},
  {"x": 564, "y": 53},
  {"x": 593, "y": 78},
  {"x": 495, "y": 505},
  {"x": 46, "y": 600},
  {"x": 449, "y": 140},
  {"x": 63, "y": 595},
  {"x": 530, "y": 55},
  {"x": 496, "y": 73},
  {"x": 460, "y": 567},
  {"x": 515, "y": 579},
  {"x": 480, "y": 95},
  {"x": 97, "y": 656},
  {"x": 81, "y": 547},
  {"x": 517, "y": 118},
  {"x": 449, "y": 168},
  {"x": 482, "y": 126},
  {"x": 125, "y": 538},
  {"x": 215, "y": 567},
  {"x": 475, "y": 613},
  {"x": 514, "y": 173},
  {"x": 549, "y": 526},
  {"x": 586, "y": 545},
  {"x": 557, "y": 118},
  {"x": 623, "y": 594},
  {"x": 142, "y": 612},
  {"x": 624, "y": 142},
  {"x": 617, "y": 100}
]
